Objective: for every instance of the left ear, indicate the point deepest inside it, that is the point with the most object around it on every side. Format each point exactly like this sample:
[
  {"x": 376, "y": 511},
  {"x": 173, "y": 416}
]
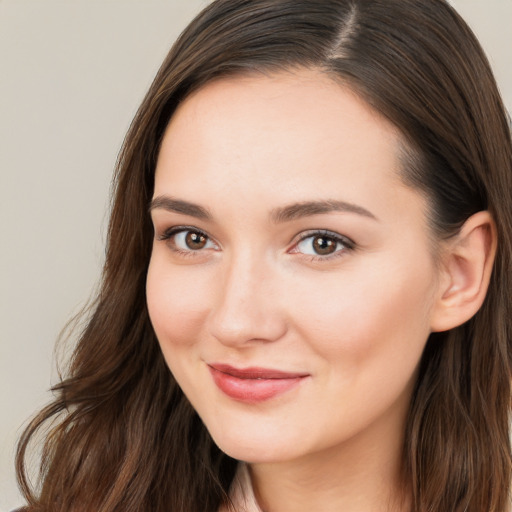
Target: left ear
[{"x": 467, "y": 261}]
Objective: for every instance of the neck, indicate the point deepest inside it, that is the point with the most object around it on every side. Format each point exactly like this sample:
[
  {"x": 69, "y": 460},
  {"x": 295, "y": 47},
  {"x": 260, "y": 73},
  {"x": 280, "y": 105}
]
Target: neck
[{"x": 364, "y": 473}]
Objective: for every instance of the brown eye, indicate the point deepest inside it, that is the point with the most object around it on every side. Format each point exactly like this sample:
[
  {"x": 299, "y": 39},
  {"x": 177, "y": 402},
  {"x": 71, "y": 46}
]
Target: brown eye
[
  {"x": 324, "y": 245},
  {"x": 195, "y": 241},
  {"x": 188, "y": 240}
]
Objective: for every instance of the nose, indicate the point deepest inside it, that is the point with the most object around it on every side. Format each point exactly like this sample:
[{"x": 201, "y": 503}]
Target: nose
[{"x": 247, "y": 307}]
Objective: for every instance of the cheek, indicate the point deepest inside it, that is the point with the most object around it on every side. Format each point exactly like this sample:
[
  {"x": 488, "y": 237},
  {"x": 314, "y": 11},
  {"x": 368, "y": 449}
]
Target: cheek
[
  {"x": 369, "y": 337},
  {"x": 379, "y": 313},
  {"x": 176, "y": 303}
]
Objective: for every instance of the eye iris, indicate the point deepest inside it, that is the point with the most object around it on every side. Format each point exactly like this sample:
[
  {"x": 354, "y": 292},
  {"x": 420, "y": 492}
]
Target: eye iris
[
  {"x": 195, "y": 241},
  {"x": 324, "y": 245}
]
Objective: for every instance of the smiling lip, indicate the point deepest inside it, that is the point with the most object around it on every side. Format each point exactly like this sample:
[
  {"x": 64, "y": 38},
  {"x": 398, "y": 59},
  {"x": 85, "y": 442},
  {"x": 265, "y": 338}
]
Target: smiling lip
[{"x": 253, "y": 384}]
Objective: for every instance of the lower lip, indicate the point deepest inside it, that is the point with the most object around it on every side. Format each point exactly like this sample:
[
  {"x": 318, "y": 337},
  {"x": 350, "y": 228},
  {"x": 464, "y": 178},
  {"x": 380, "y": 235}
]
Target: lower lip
[{"x": 252, "y": 390}]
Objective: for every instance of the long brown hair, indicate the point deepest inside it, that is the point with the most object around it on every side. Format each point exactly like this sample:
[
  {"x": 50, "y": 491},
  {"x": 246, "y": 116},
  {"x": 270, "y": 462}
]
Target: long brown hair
[{"x": 122, "y": 437}]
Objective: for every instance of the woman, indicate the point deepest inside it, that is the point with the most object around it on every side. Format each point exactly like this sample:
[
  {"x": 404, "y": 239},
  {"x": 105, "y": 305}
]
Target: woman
[{"x": 312, "y": 229}]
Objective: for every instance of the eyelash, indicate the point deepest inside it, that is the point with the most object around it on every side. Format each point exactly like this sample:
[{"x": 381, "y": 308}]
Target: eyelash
[
  {"x": 168, "y": 234},
  {"x": 347, "y": 243}
]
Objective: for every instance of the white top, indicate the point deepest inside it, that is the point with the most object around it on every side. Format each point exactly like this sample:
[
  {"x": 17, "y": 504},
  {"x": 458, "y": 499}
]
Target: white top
[{"x": 241, "y": 492}]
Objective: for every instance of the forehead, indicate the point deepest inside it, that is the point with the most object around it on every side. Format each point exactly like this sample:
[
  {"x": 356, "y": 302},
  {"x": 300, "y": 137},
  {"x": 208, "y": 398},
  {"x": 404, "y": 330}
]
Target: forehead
[
  {"x": 297, "y": 105},
  {"x": 287, "y": 137}
]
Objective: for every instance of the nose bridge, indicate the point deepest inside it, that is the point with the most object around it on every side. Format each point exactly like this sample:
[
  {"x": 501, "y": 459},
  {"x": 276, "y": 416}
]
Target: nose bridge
[{"x": 246, "y": 308}]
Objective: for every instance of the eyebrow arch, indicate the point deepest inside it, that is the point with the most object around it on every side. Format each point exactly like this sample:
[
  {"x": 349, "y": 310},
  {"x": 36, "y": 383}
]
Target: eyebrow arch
[
  {"x": 179, "y": 206},
  {"x": 278, "y": 215},
  {"x": 308, "y": 208}
]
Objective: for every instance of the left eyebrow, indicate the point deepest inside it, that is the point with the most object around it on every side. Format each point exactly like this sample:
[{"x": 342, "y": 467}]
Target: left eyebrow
[
  {"x": 171, "y": 204},
  {"x": 308, "y": 208}
]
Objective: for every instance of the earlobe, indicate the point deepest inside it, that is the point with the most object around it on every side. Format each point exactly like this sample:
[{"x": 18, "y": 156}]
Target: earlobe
[{"x": 467, "y": 263}]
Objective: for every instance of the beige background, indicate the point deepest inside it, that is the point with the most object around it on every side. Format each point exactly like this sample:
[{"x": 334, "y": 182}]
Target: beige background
[{"x": 72, "y": 73}]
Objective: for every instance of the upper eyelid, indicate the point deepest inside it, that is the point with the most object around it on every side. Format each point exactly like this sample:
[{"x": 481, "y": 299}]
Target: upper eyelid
[
  {"x": 173, "y": 230},
  {"x": 326, "y": 232},
  {"x": 301, "y": 235}
]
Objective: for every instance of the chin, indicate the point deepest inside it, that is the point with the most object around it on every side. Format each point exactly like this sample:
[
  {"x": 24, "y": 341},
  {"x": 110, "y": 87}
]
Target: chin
[
  {"x": 254, "y": 454},
  {"x": 256, "y": 449}
]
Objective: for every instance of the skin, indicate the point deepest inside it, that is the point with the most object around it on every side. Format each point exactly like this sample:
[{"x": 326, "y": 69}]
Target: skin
[{"x": 355, "y": 321}]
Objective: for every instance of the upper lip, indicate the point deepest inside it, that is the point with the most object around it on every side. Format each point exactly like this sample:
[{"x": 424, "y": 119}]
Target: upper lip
[{"x": 254, "y": 372}]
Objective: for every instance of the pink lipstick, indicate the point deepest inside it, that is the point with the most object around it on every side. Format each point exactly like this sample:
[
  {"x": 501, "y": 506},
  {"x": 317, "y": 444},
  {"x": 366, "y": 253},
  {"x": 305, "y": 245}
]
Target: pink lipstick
[{"x": 253, "y": 384}]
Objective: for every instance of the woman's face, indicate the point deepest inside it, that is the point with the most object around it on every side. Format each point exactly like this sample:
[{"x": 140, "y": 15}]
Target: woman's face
[{"x": 292, "y": 280}]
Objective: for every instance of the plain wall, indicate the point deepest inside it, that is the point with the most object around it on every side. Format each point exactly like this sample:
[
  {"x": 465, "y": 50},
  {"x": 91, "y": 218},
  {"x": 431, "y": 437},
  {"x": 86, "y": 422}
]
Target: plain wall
[{"x": 72, "y": 73}]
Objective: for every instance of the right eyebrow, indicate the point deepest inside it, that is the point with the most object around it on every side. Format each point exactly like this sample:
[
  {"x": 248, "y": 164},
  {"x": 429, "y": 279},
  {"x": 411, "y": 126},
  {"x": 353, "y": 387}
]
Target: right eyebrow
[
  {"x": 171, "y": 204},
  {"x": 310, "y": 208}
]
